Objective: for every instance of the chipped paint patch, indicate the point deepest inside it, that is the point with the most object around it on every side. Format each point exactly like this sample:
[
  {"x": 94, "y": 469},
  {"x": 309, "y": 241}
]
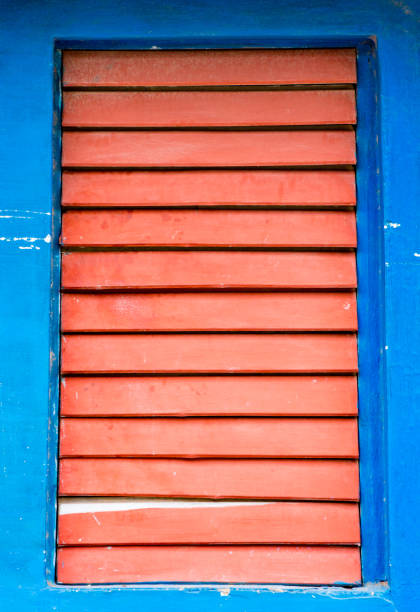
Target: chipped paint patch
[
  {"x": 404, "y": 7},
  {"x": 27, "y": 239},
  {"x": 224, "y": 592}
]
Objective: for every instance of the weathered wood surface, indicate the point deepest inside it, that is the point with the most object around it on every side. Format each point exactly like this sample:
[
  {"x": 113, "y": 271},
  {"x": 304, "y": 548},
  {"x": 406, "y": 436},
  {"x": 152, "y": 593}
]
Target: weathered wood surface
[
  {"x": 168, "y": 522},
  {"x": 195, "y": 149},
  {"x": 202, "y": 228},
  {"x": 209, "y": 312},
  {"x": 208, "y": 67},
  {"x": 209, "y": 437},
  {"x": 208, "y": 109},
  {"x": 293, "y": 479},
  {"x": 259, "y": 564},
  {"x": 210, "y": 353},
  {"x": 209, "y": 396},
  {"x": 208, "y": 270},
  {"x": 335, "y": 188}
]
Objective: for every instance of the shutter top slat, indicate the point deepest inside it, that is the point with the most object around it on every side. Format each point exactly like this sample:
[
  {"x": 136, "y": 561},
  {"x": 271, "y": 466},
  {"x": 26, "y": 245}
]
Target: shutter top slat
[{"x": 208, "y": 67}]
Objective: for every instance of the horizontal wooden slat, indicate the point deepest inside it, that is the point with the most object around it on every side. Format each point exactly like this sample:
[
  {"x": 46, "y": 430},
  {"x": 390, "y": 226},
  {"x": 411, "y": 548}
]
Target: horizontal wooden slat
[
  {"x": 208, "y": 109},
  {"x": 209, "y": 312},
  {"x": 225, "y": 564},
  {"x": 209, "y": 270},
  {"x": 317, "y": 479},
  {"x": 209, "y": 523},
  {"x": 209, "y": 437},
  {"x": 203, "y": 228},
  {"x": 209, "y": 395},
  {"x": 209, "y": 188},
  {"x": 212, "y": 353},
  {"x": 205, "y": 148},
  {"x": 204, "y": 67}
]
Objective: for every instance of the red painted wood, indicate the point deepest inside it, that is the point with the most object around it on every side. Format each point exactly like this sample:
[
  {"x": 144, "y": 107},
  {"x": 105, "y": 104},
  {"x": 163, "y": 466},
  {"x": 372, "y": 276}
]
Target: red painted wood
[
  {"x": 204, "y": 67},
  {"x": 260, "y": 564},
  {"x": 180, "y": 353},
  {"x": 315, "y": 456},
  {"x": 211, "y": 270},
  {"x": 209, "y": 395},
  {"x": 210, "y": 188},
  {"x": 206, "y": 148},
  {"x": 208, "y": 108},
  {"x": 209, "y": 312},
  {"x": 267, "y": 523},
  {"x": 284, "y": 228},
  {"x": 317, "y": 479},
  {"x": 209, "y": 437}
]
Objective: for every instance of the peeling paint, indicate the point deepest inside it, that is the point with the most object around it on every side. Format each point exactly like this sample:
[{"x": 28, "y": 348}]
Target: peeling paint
[
  {"x": 224, "y": 592},
  {"x": 27, "y": 239},
  {"x": 404, "y": 7}
]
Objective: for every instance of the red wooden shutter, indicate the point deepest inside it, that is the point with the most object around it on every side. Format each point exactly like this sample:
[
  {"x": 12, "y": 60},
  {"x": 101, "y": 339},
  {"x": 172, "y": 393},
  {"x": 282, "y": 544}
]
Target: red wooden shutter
[{"x": 209, "y": 356}]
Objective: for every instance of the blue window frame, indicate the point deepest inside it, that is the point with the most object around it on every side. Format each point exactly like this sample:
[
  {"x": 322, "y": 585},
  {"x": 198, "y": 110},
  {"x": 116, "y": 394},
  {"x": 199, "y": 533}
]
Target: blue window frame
[
  {"x": 370, "y": 301},
  {"x": 388, "y": 265}
]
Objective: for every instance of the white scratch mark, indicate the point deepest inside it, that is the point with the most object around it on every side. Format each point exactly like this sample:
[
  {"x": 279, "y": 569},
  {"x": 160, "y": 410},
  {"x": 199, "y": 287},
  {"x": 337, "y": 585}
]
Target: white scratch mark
[
  {"x": 416, "y": 254},
  {"x": 83, "y": 505},
  {"x": 392, "y": 225},
  {"x": 346, "y": 306},
  {"x": 32, "y": 212}
]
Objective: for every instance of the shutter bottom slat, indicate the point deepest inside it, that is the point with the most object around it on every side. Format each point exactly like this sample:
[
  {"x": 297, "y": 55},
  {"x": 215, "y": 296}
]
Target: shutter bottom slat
[{"x": 224, "y": 564}]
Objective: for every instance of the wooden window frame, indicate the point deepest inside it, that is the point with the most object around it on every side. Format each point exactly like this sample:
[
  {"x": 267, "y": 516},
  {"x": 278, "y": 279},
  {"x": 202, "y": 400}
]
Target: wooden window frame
[{"x": 371, "y": 344}]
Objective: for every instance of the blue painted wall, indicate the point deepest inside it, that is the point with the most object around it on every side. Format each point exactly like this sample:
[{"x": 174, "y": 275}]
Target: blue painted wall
[{"x": 28, "y": 31}]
